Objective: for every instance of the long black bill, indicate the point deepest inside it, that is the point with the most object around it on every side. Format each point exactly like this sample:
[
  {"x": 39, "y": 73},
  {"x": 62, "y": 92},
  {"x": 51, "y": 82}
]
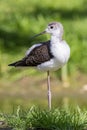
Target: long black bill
[{"x": 38, "y": 34}]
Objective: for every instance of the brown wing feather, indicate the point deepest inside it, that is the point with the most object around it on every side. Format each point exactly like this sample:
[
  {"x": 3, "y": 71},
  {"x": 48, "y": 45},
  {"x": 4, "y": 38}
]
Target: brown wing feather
[{"x": 39, "y": 55}]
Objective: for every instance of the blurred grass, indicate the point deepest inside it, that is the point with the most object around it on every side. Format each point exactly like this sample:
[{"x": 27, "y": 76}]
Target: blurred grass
[{"x": 19, "y": 21}]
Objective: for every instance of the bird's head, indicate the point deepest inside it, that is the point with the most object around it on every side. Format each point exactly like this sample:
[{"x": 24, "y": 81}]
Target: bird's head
[{"x": 53, "y": 28}]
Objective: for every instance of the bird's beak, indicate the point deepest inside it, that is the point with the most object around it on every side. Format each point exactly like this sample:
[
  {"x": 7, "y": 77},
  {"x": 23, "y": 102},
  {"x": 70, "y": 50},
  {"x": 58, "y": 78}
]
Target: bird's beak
[{"x": 39, "y": 34}]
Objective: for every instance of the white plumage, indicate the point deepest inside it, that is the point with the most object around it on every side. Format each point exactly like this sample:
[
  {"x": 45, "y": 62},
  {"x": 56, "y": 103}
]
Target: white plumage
[{"x": 61, "y": 53}]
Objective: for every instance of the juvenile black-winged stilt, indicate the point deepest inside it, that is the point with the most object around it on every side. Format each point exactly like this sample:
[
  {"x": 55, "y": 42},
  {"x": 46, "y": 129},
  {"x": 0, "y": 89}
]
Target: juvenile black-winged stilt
[{"x": 47, "y": 56}]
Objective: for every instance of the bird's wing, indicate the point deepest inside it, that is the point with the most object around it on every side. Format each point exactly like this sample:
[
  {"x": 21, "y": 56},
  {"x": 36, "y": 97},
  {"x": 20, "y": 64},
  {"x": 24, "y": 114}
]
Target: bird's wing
[
  {"x": 39, "y": 54},
  {"x": 36, "y": 55}
]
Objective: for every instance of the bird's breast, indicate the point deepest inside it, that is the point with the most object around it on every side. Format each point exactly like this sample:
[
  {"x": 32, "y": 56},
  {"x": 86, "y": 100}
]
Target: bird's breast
[{"x": 61, "y": 52}]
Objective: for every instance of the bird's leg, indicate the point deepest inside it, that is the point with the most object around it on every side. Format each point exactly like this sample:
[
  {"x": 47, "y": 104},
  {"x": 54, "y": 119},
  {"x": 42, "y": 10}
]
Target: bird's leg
[{"x": 49, "y": 91}]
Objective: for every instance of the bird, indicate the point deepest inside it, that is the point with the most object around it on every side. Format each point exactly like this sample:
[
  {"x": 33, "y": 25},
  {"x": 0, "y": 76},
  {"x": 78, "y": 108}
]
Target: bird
[{"x": 49, "y": 55}]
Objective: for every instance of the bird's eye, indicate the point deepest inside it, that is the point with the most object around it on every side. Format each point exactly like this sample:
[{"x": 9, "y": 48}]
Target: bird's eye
[{"x": 51, "y": 27}]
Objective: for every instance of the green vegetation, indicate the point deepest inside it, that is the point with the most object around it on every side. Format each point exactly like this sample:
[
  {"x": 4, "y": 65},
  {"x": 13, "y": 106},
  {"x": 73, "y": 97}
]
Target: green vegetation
[
  {"x": 56, "y": 119},
  {"x": 19, "y": 20}
]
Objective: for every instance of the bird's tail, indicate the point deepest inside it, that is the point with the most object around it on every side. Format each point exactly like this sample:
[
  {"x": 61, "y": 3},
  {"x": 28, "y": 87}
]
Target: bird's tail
[{"x": 19, "y": 63}]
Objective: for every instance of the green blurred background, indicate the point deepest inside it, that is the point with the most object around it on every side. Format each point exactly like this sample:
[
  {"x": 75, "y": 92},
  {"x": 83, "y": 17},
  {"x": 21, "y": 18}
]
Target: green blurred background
[{"x": 19, "y": 21}]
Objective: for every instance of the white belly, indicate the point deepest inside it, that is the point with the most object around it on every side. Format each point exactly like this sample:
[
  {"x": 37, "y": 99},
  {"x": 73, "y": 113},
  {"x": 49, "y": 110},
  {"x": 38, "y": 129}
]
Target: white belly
[{"x": 51, "y": 65}]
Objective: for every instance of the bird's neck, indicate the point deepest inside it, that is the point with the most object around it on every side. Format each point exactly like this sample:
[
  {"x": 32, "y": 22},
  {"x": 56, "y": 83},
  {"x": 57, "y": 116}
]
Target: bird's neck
[{"x": 55, "y": 39}]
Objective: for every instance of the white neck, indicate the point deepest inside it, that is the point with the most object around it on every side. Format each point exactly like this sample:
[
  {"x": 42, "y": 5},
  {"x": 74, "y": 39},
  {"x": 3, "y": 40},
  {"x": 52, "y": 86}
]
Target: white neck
[{"x": 55, "y": 39}]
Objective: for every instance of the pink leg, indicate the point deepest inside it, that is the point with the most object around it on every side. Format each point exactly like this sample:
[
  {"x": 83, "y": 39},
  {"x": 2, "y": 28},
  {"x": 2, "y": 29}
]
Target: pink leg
[{"x": 49, "y": 91}]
